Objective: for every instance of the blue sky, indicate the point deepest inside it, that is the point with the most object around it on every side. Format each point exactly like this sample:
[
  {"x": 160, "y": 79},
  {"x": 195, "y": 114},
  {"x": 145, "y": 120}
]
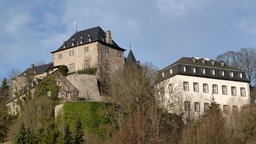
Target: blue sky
[{"x": 159, "y": 31}]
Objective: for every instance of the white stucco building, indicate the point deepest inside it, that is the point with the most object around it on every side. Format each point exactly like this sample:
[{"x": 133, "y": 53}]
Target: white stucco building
[{"x": 190, "y": 84}]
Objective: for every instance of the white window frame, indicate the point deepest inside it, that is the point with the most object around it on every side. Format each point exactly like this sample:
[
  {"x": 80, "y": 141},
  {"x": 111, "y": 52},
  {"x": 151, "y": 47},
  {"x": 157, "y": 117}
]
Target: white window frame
[
  {"x": 224, "y": 90},
  {"x": 205, "y": 88},
  {"x": 215, "y": 89},
  {"x": 197, "y": 106},
  {"x": 242, "y": 91},
  {"x": 195, "y": 87},
  {"x": 186, "y": 86},
  {"x": 233, "y": 91}
]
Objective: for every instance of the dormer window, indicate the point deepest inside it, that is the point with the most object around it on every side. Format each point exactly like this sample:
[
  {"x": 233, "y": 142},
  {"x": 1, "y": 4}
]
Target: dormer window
[
  {"x": 203, "y": 61},
  {"x": 162, "y": 74},
  {"x": 193, "y": 69},
  {"x": 73, "y": 43},
  {"x": 231, "y": 74},
  {"x": 81, "y": 41},
  {"x": 81, "y": 37},
  {"x": 184, "y": 68},
  {"x": 222, "y": 73},
  {"x": 170, "y": 71},
  {"x": 213, "y": 72},
  {"x": 240, "y": 75},
  {"x": 194, "y": 60},
  {"x": 203, "y": 70},
  {"x": 89, "y": 39},
  {"x": 73, "y": 39},
  {"x": 64, "y": 46},
  {"x": 212, "y": 62}
]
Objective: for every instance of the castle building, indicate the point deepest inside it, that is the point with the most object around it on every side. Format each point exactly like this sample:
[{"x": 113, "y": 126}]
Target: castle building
[
  {"x": 90, "y": 48},
  {"x": 190, "y": 84}
]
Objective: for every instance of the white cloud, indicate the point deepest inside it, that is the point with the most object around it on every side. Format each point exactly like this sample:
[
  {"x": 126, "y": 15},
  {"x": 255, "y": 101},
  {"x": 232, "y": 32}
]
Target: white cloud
[{"x": 173, "y": 7}]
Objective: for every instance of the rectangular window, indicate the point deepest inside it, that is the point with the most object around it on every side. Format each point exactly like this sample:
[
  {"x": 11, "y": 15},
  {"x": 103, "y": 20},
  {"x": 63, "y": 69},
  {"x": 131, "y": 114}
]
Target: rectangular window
[
  {"x": 187, "y": 106},
  {"x": 214, "y": 89},
  {"x": 48, "y": 93},
  {"x": 195, "y": 87},
  {"x": 242, "y": 91},
  {"x": 162, "y": 93},
  {"x": 212, "y": 71},
  {"x": 86, "y": 63},
  {"x": 233, "y": 91},
  {"x": 205, "y": 88},
  {"x": 197, "y": 106},
  {"x": 106, "y": 50},
  {"x": 235, "y": 110},
  {"x": 206, "y": 107},
  {"x": 226, "y": 109},
  {"x": 86, "y": 49},
  {"x": 71, "y": 53},
  {"x": 224, "y": 90},
  {"x": 60, "y": 56},
  {"x": 58, "y": 94},
  {"x": 170, "y": 88},
  {"x": 185, "y": 86},
  {"x": 68, "y": 95},
  {"x": 71, "y": 67}
]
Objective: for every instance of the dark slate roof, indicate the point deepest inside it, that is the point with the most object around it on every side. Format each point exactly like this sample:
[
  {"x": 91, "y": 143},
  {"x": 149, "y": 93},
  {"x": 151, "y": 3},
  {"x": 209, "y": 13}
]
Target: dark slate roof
[
  {"x": 177, "y": 68},
  {"x": 131, "y": 58},
  {"x": 87, "y": 36},
  {"x": 202, "y": 62},
  {"x": 35, "y": 70}
]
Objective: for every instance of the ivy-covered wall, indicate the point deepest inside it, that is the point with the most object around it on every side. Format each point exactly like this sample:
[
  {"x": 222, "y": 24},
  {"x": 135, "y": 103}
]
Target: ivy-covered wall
[
  {"x": 48, "y": 84},
  {"x": 91, "y": 114}
]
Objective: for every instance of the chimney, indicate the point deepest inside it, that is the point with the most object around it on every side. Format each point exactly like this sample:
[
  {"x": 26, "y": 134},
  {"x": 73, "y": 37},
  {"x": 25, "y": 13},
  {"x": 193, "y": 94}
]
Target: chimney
[{"x": 108, "y": 37}]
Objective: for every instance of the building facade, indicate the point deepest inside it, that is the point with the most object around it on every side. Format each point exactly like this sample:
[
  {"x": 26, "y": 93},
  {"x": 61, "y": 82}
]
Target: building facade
[
  {"x": 90, "y": 48},
  {"x": 190, "y": 84}
]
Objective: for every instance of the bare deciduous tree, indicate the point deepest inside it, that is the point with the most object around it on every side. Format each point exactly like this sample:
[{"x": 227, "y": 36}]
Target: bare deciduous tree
[{"x": 244, "y": 59}]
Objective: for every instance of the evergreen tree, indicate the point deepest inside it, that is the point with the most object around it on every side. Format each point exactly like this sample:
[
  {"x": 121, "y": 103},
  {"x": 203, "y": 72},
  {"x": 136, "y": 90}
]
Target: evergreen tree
[
  {"x": 78, "y": 135},
  {"x": 68, "y": 135},
  {"x": 4, "y": 92},
  {"x": 22, "y": 136},
  {"x": 4, "y": 116},
  {"x": 25, "y": 136}
]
